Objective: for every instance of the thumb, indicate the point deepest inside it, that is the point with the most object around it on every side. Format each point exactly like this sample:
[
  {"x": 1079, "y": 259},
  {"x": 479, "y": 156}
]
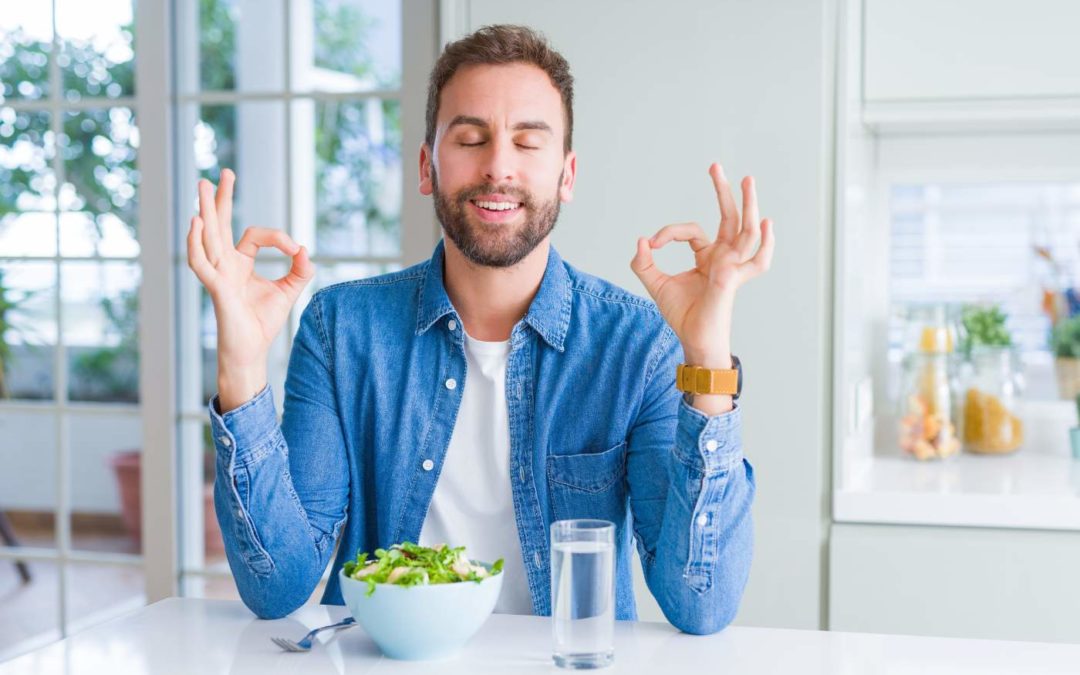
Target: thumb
[{"x": 645, "y": 268}]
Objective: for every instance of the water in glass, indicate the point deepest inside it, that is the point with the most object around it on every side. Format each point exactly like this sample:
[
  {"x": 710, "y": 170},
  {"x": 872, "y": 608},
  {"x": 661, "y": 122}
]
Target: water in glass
[{"x": 583, "y": 598}]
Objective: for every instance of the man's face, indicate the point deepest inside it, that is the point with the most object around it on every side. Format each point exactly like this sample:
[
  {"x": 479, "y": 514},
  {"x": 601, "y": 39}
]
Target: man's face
[{"x": 498, "y": 172}]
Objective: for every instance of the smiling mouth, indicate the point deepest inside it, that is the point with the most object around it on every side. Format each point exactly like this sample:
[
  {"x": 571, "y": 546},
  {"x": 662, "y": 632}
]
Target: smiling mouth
[{"x": 495, "y": 207}]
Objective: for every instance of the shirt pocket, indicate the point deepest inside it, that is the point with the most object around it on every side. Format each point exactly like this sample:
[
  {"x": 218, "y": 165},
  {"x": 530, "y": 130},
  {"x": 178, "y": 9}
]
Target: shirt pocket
[{"x": 589, "y": 484}]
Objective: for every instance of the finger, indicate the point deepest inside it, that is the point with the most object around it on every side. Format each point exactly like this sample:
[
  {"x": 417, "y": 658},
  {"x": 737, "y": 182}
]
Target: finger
[
  {"x": 196, "y": 253},
  {"x": 690, "y": 232},
  {"x": 729, "y": 214},
  {"x": 211, "y": 237},
  {"x": 748, "y": 235},
  {"x": 224, "y": 203},
  {"x": 645, "y": 268},
  {"x": 300, "y": 274},
  {"x": 255, "y": 238},
  {"x": 762, "y": 260}
]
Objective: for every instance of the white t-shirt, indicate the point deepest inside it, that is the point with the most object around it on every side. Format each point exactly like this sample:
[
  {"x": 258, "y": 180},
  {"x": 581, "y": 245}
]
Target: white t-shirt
[{"x": 472, "y": 505}]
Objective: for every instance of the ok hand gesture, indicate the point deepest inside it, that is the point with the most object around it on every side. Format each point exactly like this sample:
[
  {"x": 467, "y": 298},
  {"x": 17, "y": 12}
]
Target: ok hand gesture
[
  {"x": 698, "y": 303},
  {"x": 250, "y": 310}
]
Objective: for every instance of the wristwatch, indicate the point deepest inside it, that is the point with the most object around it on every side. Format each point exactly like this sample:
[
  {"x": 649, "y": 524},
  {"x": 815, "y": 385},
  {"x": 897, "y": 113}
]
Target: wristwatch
[{"x": 698, "y": 380}]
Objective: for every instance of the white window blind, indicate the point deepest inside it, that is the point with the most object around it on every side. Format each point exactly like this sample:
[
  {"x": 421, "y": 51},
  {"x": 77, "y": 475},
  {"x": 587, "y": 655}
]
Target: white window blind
[{"x": 977, "y": 243}]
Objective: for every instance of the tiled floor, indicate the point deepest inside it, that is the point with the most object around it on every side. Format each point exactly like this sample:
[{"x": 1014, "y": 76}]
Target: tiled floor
[{"x": 29, "y": 612}]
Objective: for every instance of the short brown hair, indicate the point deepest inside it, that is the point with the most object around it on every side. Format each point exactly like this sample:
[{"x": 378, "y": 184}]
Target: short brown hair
[{"x": 499, "y": 45}]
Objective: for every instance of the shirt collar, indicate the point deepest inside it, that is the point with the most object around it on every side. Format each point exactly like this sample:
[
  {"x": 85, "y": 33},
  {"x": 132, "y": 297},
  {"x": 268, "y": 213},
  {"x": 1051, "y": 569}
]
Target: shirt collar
[{"x": 548, "y": 315}]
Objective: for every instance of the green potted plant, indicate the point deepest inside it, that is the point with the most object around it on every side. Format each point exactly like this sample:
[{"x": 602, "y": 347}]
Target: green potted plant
[
  {"x": 1065, "y": 343},
  {"x": 983, "y": 327},
  {"x": 991, "y": 385}
]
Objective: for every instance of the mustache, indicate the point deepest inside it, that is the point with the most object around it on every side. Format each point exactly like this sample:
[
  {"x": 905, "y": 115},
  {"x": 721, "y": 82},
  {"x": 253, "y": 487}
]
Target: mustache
[{"x": 474, "y": 191}]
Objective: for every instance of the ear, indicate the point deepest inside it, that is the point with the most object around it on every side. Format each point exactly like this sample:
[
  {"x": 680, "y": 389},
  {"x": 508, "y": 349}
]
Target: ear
[
  {"x": 426, "y": 187},
  {"x": 569, "y": 173}
]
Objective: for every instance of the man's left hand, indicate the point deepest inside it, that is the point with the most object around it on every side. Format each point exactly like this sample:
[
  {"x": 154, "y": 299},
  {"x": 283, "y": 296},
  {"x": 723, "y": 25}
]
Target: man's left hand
[{"x": 698, "y": 303}]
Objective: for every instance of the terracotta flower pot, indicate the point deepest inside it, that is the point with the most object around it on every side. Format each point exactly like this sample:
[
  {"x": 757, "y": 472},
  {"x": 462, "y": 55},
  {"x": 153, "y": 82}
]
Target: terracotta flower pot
[
  {"x": 1068, "y": 376},
  {"x": 127, "y": 466}
]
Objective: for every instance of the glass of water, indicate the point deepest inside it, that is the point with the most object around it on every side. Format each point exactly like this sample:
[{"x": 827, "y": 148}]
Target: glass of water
[{"x": 583, "y": 593}]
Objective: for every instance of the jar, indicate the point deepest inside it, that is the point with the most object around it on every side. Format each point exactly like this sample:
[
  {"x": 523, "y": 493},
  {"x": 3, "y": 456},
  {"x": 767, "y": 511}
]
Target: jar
[
  {"x": 991, "y": 421},
  {"x": 927, "y": 421}
]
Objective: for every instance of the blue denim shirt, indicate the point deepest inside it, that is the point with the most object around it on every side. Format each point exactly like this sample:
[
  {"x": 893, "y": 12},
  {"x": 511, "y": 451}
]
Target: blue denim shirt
[{"x": 597, "y": 430}]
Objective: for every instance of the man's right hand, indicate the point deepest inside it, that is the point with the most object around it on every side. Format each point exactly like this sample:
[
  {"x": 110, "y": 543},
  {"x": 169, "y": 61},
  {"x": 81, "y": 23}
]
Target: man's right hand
[{"x": 249, "y": 309}]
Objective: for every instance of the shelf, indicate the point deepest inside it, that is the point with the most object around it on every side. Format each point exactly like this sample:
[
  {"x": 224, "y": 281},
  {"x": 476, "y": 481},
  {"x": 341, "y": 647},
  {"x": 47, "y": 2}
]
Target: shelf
[
  {"x": 1027, "y": 490},
  {"x": 1059, "y": 114}
]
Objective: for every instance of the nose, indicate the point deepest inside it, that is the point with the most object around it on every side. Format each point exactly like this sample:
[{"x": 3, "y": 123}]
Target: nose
[{"x": 498, "y": 164}]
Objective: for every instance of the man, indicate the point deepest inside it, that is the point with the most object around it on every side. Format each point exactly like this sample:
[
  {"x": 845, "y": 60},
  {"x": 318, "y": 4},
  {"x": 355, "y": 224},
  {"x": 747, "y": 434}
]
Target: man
[{"x": 477, "y": 397}]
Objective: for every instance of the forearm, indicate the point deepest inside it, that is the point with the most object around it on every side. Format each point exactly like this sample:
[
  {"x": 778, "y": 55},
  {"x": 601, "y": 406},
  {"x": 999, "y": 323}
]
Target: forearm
[
  {"x": 276, "y": 551},
  {"x": 700, "y": 563}
]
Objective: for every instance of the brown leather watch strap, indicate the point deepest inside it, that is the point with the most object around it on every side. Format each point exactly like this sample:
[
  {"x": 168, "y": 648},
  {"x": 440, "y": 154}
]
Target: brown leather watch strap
[{"x": 698, "y": 380}]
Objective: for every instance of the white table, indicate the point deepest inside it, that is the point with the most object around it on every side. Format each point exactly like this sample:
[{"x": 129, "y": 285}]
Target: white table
[{"x": 207, "y": 636}]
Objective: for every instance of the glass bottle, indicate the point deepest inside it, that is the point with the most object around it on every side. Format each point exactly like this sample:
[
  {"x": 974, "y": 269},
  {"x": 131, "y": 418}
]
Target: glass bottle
[
  {"x": 927, "y": 421},
  {"x": 991, "y": 421}
]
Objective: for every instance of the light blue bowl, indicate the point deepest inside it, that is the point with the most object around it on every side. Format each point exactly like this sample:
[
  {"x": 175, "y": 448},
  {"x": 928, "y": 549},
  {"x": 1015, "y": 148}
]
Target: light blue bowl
[{"x": 418, "y": 623}]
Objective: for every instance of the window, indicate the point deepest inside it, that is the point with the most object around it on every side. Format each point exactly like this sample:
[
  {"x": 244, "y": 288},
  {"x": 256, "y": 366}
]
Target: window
[
  {"x": 1002, "y": 243},
  {"x": 303, "y": 99},
  {"x": 70, "y": 420},
  {"x": 312, "y": 103}
]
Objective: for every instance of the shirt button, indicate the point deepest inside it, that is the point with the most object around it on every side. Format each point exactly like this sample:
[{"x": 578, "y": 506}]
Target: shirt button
[
  {"x": 521, "y": 473},
  {"x": 703, "y": 520},
  {"x": 710, "y": 445},
  {"x": 225, "y": 440},
  {"x": 451, "y": 384},
  {"x": 428, "y": 465},
  {"x": 451, "y": 324},
  {"x": 240, "y": 513},
  {"x": 536, "y": 559}
]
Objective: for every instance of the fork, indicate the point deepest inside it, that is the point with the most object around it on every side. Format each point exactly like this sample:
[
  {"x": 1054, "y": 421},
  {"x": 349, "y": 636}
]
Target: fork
[{"x": 304, "y": 645}]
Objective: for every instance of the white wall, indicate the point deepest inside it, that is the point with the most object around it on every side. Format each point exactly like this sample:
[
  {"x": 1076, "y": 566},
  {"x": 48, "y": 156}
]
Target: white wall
[{"x": 662, "y": 90}]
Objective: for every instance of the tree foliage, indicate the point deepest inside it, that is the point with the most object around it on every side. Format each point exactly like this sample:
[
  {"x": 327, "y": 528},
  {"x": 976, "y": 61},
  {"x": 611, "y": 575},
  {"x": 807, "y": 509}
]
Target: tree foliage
[{"x": 98, "y": 147}]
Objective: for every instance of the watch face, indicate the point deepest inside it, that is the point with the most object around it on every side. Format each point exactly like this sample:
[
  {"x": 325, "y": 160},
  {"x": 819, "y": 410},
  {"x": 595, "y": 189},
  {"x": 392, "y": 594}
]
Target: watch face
[{"x": 737, "y": 365}]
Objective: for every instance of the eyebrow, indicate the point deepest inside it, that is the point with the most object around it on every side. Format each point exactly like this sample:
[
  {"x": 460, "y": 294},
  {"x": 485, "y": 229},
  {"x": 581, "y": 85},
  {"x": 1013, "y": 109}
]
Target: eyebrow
[{"x": 536, "y": 125}]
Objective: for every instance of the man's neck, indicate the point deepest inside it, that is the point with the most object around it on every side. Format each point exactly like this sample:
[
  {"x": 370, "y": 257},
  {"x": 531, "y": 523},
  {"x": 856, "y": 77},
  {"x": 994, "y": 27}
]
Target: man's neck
[{"x": 491, "y": 300}]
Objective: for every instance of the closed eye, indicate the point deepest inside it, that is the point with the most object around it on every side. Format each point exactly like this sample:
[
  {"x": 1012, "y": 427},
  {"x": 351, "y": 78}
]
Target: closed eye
[{"x": 471, "y": 145}]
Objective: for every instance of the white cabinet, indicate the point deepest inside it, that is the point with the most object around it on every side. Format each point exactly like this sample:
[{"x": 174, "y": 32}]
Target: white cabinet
[
  {"x": 924, "y": 50},
  {"x": 955, "y": 582}
]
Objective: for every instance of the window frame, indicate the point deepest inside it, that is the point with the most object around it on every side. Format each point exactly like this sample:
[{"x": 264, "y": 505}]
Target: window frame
[
  {"x": 169, "y": 291},
  {"x": 419, "y": 233}
]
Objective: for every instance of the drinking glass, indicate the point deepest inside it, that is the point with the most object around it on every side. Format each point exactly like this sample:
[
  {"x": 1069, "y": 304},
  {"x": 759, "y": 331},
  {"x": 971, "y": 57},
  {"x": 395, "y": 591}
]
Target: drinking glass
[{"x": 583, "y": 593}]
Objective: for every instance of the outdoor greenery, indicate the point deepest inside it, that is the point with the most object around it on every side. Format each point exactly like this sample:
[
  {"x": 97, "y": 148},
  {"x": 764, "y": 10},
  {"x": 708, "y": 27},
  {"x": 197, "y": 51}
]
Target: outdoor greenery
[
  {"x": 98, "y": 150},
  {"x": 112, "y": 373},
  {"x": 13, "y": 318}
]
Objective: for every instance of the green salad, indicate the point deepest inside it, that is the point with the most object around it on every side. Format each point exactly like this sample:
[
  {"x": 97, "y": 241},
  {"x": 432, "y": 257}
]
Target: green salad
[{"x": 409, "y": 564}]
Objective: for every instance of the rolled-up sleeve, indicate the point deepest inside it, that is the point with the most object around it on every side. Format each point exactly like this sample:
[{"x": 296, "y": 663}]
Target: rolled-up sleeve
[
  {"x": 281, "y": 490},
  {"x": 691, "y": 491}
]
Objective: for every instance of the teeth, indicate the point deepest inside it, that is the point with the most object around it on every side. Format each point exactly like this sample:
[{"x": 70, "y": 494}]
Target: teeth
[{"x": 497, "y": 206}]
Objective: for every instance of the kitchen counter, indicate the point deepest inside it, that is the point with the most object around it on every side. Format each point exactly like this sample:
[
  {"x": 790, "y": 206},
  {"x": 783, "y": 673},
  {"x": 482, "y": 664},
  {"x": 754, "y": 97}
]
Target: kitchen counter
[
  {"x": 214, "y": 636},
  {"x": 1026, "y": 490}
]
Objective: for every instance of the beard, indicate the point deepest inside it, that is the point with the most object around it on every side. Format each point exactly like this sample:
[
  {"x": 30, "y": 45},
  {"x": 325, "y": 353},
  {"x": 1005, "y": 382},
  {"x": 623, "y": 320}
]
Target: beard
[{"x": 491, "y": 244}]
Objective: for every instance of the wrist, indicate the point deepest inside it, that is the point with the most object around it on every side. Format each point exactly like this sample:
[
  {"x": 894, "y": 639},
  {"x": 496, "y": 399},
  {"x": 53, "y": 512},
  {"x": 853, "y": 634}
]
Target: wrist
[
  {"x": 710, "y": 404},
  {"x": 713, "y": 359},
  {"x": 236, "y": 388}
]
